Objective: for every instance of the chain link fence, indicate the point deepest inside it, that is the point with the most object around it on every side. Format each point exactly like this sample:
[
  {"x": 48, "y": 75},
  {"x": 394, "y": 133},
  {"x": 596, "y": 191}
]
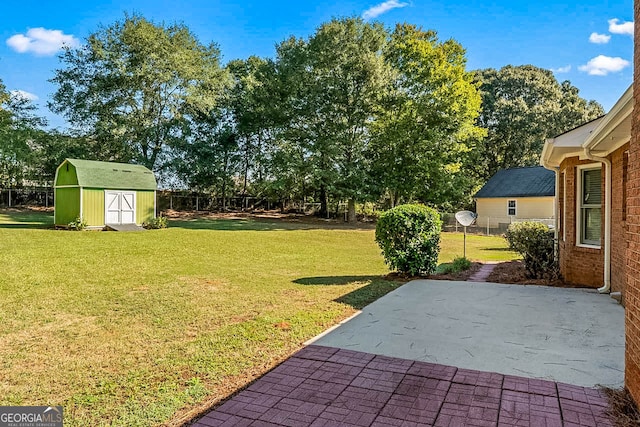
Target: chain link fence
[
  {"x": 493, "y": 226},
  {"x": 26, "y": 196}
]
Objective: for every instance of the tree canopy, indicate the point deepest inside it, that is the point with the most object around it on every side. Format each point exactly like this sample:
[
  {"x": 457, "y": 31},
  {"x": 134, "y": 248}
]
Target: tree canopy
[
  {"x": 134, "y": 85},
  {"x": 355, "y": 112},
  {"x": 521, "y": 107}
]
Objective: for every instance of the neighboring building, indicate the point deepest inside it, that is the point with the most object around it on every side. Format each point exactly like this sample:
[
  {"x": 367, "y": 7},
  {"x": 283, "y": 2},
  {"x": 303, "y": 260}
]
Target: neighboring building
[
  {"x": 103, "y": 193},
  {"x": 632, "y": 256},
  {"x": 517, "y": 194},
  {"x": 591, "y": 164}
]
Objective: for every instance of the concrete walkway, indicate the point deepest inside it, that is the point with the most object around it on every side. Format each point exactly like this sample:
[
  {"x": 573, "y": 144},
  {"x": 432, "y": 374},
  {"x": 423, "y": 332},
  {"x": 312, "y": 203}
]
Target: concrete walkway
[
  {"x": 574, "y": 336},
  {"x": 482, "y": 274},
  {"x": 324, "y": 386}
]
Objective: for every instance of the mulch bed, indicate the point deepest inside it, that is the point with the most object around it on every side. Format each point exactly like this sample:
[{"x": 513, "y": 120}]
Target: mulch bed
[
  {"x": 460, "y": 276},
  {"x": 513, "y": 272}
]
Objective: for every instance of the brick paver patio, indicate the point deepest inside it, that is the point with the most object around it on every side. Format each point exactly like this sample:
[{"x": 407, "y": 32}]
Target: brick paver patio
[{"x": 326, "y": 386}]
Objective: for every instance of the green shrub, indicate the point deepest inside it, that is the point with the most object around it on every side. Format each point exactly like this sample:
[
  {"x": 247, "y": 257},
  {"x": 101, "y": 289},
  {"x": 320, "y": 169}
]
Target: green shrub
[
  {"x": 459, "y": 264},
  {"x": 78, "y": 224},
  {"x": 409, "y": 236},
  {"x": 535, "y": 242},
  {"x": 156, "y": 223}
]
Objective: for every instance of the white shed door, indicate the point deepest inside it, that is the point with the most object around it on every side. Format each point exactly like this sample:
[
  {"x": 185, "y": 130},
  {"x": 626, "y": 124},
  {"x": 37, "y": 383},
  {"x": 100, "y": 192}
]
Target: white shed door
[{"x": 120, "y": 207}]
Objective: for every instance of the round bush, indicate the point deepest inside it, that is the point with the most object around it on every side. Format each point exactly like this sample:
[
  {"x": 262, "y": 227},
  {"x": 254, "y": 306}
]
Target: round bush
[
  {"x": 535, "y": 242},
  {"x": 409, "y": 236}
]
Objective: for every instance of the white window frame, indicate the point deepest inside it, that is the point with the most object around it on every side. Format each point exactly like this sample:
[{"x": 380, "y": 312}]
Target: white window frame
[
  {"x": 578, "y": 205},
  {"x": 515, "y": 207}
]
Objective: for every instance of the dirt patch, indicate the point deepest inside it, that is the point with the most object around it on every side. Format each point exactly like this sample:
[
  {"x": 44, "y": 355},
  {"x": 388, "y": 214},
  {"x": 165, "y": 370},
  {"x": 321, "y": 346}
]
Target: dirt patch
[
  {"x": 513, "y": 272},
  {"x": 267, "y": 216}
]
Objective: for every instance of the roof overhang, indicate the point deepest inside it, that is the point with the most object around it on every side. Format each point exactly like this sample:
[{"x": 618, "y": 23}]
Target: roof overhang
[
  {"x": 568, "y": 144},
  {"x": 601, "y": 136}
]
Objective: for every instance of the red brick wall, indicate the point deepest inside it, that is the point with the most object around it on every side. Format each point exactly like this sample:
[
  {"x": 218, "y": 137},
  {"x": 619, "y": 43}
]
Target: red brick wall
[
  {"x": 632, "y": 311},
  {"x": 578, "y": 265},
  {"x": 618, "y": 220}
]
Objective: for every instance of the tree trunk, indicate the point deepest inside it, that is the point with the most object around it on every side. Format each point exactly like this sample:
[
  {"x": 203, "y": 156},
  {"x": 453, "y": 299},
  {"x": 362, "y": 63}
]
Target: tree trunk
[
  {"x": 324, "y": 202},
  {"x": 351, "y": 212}
]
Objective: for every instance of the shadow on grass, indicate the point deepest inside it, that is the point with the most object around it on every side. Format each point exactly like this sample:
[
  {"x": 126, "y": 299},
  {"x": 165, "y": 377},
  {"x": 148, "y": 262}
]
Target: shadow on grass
[
  {"x": 375, "y": 287},
  {"x": 14, "y": 218},
  {"x": 497, "y": 249},
  {"x": 255, "y": 225}
]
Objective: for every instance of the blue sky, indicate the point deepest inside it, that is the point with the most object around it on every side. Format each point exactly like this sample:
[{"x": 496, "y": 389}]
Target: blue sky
[{"x": 588, "y": 44}]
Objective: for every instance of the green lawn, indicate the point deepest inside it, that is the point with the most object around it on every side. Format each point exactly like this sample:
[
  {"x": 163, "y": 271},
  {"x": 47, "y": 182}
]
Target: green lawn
[{"x": 139, "y": 328}]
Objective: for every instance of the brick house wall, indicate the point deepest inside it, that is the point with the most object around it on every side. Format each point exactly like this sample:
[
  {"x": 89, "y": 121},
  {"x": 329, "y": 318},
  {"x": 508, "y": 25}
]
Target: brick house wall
[
  {"x": 619, "y": 178},
  {"x": 585, "y": 266},
  {"x": 578, "y": 265},
  {"x": 632, "y": 311}
]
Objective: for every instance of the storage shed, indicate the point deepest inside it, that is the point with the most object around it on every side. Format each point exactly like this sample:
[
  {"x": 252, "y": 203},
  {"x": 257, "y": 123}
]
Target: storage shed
[{"x": 103, "y": 193}]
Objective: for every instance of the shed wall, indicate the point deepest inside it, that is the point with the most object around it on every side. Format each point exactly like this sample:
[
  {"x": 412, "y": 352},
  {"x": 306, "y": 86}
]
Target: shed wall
[
  {"x": 145, "y": 206},
  {"x": 93, "y": 206},
  {"x": 67, "y": 205},
  {"x": 67, "y": 177}
]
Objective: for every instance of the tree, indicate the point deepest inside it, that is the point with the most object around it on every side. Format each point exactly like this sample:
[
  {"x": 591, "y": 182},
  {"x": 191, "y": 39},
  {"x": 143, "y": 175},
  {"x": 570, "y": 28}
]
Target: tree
[
  {"x": 134, "y": 85},
  {"x": 521, "y": 107},
  {"x": 427, "y": 115},
  {"x": 330, "y": 87},
  {"x": 19, "y": 127}
]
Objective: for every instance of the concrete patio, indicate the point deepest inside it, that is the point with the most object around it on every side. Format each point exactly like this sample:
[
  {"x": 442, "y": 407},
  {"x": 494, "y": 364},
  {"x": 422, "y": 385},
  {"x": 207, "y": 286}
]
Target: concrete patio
[
  {"x": 445, "y": 354},
  {"x": 574, "y": 336}
]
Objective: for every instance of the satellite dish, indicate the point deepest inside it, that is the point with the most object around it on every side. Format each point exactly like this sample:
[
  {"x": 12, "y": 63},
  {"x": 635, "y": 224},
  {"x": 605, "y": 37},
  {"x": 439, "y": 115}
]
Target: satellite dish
[{"x": 466, "y": 218}]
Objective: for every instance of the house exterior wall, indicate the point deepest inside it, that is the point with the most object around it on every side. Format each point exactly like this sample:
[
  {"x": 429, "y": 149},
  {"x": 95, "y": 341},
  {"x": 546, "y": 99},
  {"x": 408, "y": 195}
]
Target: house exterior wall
[
  {"x": 619, "y": 178},
  {"x": 632, "y": 297},
  {"x": 578, "y": 265},
  {"x": 494, "y": 210}
]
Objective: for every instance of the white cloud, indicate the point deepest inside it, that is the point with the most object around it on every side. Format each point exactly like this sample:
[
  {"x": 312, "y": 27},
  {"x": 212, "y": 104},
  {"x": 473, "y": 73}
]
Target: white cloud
[
  {"x": 379, "y": 9},
  {"x": 599, "y": 38},
  {"x": 24, "y": 94},
  {"x": 623, "y": 28},
  {"x": 602, "y": 65},
  {"x": 41, "y": 41},
  {"x": 561, "y": 70}
]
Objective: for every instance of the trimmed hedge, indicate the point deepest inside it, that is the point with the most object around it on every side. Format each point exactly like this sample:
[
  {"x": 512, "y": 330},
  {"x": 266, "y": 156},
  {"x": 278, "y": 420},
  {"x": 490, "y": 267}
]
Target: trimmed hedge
[
  {"x": 409, "y": 236},
  {"x": 535, "y": 242}
]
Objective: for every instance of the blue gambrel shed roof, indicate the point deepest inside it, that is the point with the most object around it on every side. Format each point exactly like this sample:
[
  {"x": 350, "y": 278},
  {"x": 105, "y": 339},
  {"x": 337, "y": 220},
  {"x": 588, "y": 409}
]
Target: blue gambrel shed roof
[{"x": 535, "y": 181}]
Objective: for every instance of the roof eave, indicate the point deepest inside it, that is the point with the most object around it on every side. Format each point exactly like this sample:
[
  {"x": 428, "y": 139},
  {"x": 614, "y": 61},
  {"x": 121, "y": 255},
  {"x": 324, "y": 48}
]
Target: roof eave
[{"x": 614, "y": 130}]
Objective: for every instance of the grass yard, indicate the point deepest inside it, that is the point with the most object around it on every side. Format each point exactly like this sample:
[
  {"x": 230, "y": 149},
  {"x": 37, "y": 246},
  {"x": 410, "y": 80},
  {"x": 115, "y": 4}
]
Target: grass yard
[{"x": 141, "y": 328}]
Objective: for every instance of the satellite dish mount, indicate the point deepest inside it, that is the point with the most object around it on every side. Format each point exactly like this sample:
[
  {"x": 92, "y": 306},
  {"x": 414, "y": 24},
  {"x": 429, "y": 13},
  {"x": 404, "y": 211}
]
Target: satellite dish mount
[{"x": 466, "y": 218}]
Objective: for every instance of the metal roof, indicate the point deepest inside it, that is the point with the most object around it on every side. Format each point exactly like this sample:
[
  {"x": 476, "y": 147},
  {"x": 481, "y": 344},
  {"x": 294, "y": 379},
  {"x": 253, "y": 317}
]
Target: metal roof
[
  {"x": 119, "y": 176},
  {"x": 534, "y": 181}
]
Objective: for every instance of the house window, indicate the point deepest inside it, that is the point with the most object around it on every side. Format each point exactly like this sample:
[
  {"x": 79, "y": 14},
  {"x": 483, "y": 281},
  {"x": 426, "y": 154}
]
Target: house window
[
  {"x": 511, "y": 208},
  {"x": 590, "y": 203}
]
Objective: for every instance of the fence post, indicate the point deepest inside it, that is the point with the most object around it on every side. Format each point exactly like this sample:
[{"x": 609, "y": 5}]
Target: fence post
[
  {"x": 171, "y": 202},
  {"x": 488, "y": 222},
  {"x": 197, "y": 203},
  {"x": 9, "y": 197}
]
